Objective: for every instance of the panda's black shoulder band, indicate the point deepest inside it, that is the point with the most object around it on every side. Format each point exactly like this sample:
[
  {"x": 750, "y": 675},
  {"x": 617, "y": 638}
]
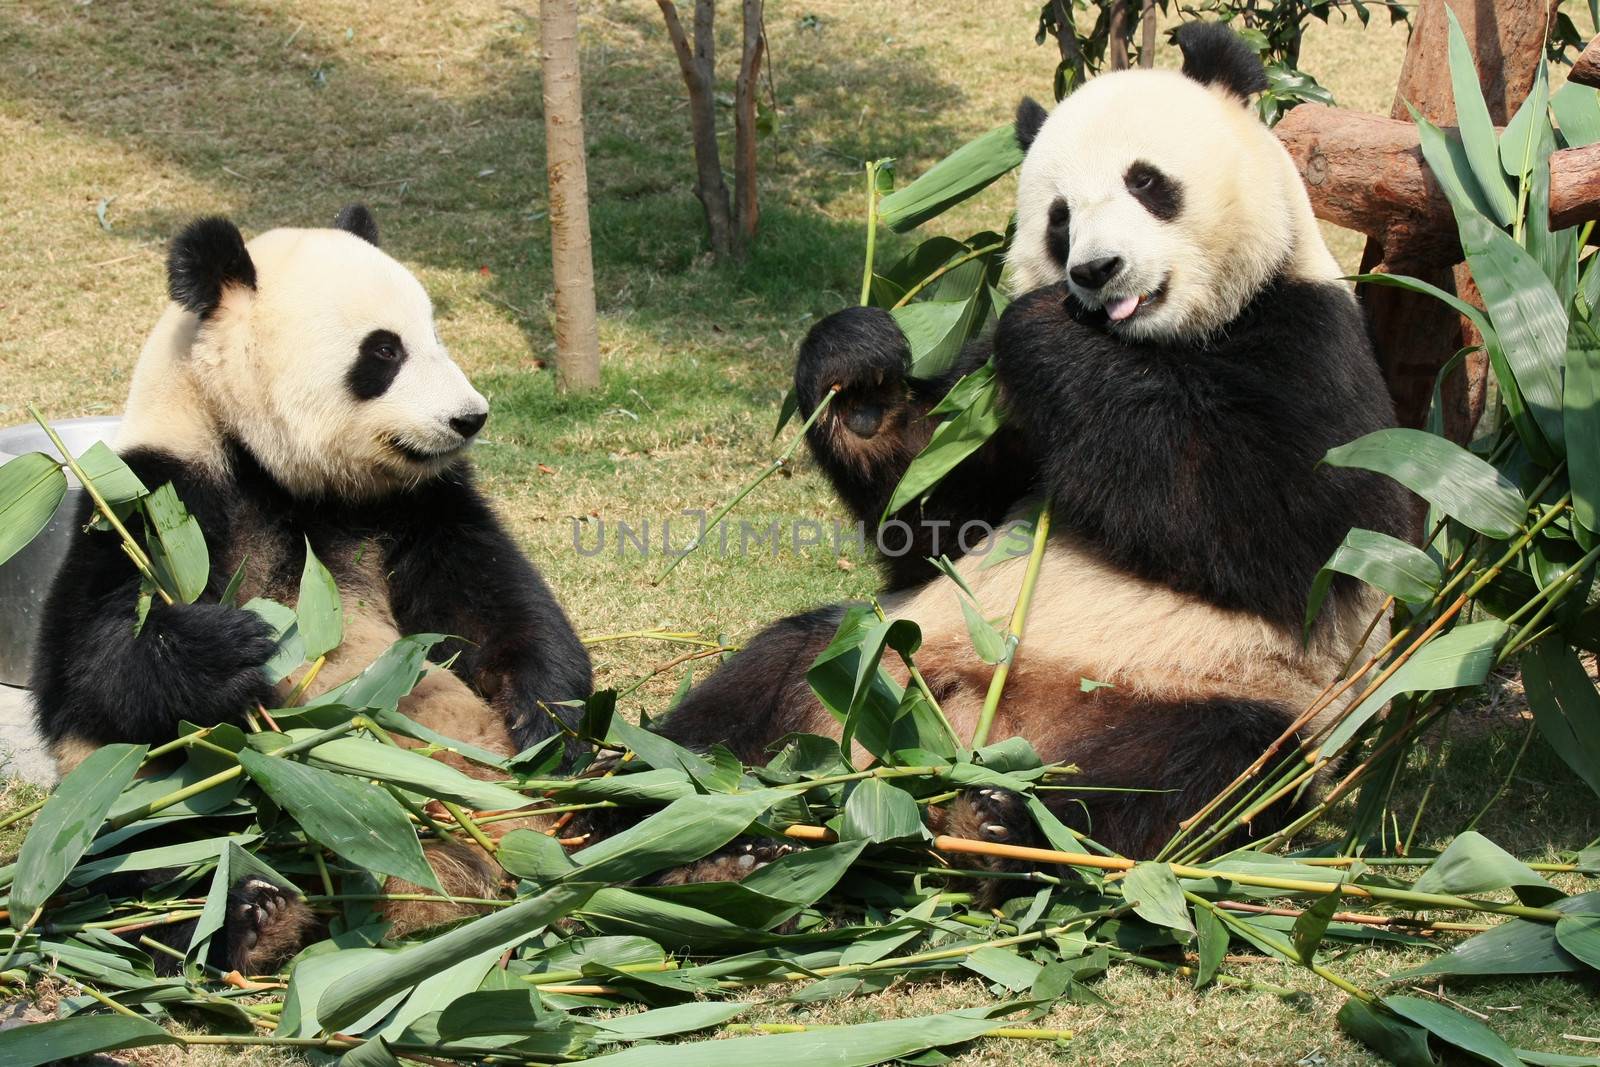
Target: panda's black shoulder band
[
  {"x": 1215, "y": 55},
  {"x": 356, "y": 219},
  {"x": 207, "y": 257},
  {"x": 1030, "y": 116}
]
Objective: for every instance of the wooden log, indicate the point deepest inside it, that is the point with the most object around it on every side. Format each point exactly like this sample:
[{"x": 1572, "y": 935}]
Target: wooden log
[
  {"x": 1366, "y": 173},
  {"x": 1586, "y": 71}
]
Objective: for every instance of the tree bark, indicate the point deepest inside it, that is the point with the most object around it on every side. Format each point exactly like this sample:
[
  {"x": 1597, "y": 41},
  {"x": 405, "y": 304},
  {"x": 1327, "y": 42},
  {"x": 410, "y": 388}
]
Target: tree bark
[
  {"x": 571, "y": 258},
  {"x": 1147, "y": 35},
  {"x": 1586, "y": 71},
  {"x": 698, "y": 64},
  {"x": 1366, "y": 173},
  {"x": 746, "y": 209},
  {"x": 1416, "y": 334},
  {"x": 1067, "y": 43},
  {"x": 1118, "y": 31}
]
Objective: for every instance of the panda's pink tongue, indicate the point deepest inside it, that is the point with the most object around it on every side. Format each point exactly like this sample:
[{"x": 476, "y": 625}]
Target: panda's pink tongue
[{"x": 1122, "y": 307}]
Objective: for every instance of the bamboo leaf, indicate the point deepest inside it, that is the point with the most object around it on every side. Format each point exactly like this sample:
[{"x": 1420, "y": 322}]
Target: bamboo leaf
[
  {"x": 348, "y": 1000},
  {"x": 1453, "y": 1028},
  {"x": 1396, "y": 1040},
  {"x": 876, "y": 811},
  {"x": 320, "y": 613},
  {"x": 1581, "y": 422},
  {"x": 1003, "y": 967},
  {"x": 1447, "y": 159},
  {"x": 61, "y": 1040},
  {"x": 1159, "y": 898},
  {"x": 113, "y": 480},
  {"x": 1521, "y": 946},
  {"x": 1580, "y": 935},
  {"x": 291, "y": 650},
  {"x": 409, "y": 770},
  {"x": 1474, "y": 864},
  {"x": 1566, "y": 707},
  {"x": 1211, "y": 946},
  {"x": 1577, "y": 109},
  {"x": 1441, "y": 472},
  {"x": 685, "y": 830},
  {"x": 953, "y": 440},
  {"x": 371, "y": 1053},
  {"x": 1477, "y": 129},
  {"x": 176, "y": 547},
  {"x": 1400, "y": 569},
  {"x": 31, "y": 488},
  {"x": 1312, "y": 924},
  {"x": 676, "y": 1019},
  {"x": 1454, "y": 660},
  {"x": 967, "y": 170},
  {"x": 351, "y": 818},
  {"x": 391, "y": 676},
  {"x": 67, "y": 823},
  {"x": 935, "y": 331}
]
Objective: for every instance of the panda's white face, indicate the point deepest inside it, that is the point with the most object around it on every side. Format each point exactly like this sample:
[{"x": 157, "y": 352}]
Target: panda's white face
[
  {"x": 1163, "y": 202},
  {"x": 318, "y": 352}
]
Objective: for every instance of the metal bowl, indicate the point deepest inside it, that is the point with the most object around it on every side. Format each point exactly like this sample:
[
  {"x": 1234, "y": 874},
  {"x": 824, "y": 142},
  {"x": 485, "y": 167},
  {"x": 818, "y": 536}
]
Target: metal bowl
[{"x": 25, "y": 578}]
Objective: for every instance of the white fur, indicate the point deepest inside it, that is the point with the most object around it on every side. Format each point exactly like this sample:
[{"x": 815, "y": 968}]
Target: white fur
[
  {"x": 268, "y": 367},
  {"x": 1245, "y": 214}
]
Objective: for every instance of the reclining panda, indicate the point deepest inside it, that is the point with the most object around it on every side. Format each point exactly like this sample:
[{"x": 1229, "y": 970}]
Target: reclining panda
[
  {"x": 295, "y": 390},
  {"x": 1179, "y": 359}
]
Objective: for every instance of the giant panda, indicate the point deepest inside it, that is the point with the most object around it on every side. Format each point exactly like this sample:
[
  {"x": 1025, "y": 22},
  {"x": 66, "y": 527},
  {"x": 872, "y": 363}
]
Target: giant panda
[
  {"x": 295, "y": 391},
  {"x": 1178, "y": 358}
]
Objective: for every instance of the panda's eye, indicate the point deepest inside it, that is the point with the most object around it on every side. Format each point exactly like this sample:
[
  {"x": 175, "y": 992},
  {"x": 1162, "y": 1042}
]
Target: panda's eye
[
  {"x": 386, "y": 351},
  {"x": 1141, "y": 180},
  {"x": 1160, "y": 195},
  {"x": 378, "y": 362}
]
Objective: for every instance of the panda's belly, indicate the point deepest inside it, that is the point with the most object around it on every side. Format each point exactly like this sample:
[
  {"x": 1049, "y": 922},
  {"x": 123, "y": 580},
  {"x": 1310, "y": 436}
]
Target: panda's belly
[{"x": 1091, "y": 621}]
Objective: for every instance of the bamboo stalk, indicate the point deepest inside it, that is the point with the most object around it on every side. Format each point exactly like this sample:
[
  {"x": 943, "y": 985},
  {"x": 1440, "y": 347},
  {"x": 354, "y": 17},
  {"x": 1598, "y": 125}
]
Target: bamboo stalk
[{"x": 1014, "y": 630}]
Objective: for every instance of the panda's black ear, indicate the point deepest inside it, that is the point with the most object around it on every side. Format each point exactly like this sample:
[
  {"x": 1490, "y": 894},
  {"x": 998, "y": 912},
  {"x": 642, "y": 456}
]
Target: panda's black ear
[
  {"x": 1215, "y": 55},
  {"x": 1030, "y": 116},
  {"x": 207, "y": 257},
  {"x": 356, "y": 219}
]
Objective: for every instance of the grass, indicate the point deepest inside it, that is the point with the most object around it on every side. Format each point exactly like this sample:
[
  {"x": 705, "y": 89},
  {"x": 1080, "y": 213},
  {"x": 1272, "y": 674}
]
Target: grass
[{"x": 150, "y": 113}]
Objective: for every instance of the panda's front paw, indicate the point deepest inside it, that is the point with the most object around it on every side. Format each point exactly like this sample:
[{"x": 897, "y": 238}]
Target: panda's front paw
[
  {"x": 265, "y": 925},
  {"x": 732, "y": 863},
  {"x": 221, "y": 652},
  {"x": 861, "y": 353}
]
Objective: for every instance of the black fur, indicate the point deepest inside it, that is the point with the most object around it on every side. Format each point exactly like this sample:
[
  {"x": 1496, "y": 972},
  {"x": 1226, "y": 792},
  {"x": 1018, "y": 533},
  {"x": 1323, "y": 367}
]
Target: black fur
[
  {"x": 1058, "y": 232},
  {"x": 1198, "y": 467},
  {"x": 1159, "y": 194},
  {"x": 1030, "y": 116},
  {"x": 863, "y": 350},
  {"x": 451, "y": 569},
  {"x": 207, "y": 257},
  {"x": 381, "y": 357},
  {"x": 356, "y": 219},
  {"x": 1214, "y": 55}
]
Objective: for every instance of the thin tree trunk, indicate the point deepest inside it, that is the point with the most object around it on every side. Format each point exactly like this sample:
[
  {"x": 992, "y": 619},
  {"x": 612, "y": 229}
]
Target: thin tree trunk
[
  {"x": 746, "y": 208},
  {"x": 699, "y": 66},
  {"x": 572, "y": 262},
  {"x": 1067, "y": 42},
  {"x": 1117, "y": 35},
  {"x": 1147, "y": 38}
]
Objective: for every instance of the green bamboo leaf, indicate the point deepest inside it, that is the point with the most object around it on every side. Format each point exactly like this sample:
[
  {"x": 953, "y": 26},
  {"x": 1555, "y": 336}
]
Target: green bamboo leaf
[
  {"x": 112, "y": 479},
  {"x": 1159, "y": 899},
  {"x": 1577, "y": 109},
  {"x": 351, "y": 818},
  {"x": 685, "y": 830},
  {"x": 348, "y": 1000},
  {"x": 391, "y": 676},
  {"x": 67, "y": 823},
  {"x": 803, "y": 878},
  {"x": 314, "y": 975},
  {"x": 494, "y": 1011},
  {"x": 876, "y": 812},
  {"x": 534, "y": 855},
  {"x": 1580, "y": 935},
  {"x": 176, "y": 547},
  {"x": 1447, "y": 159},
  {"x": 1453, "y": 1028},
  {"x": 935, "y": 331},
  {"x": 319, "y": 610},
  {"x": 291, "y": 651},
  {"x": 1581, "y": 422},
  {"x": 1003, "y": 967},
  {"x": 1520, "y": 139},
  {"x": 1477, "y": 129},
  {"x": 1521, "y": 946},
  {"x": 967, "y": 170},
  {"x": 31, "y": 488},
  {"x": 1529, "y": 317},
  {"x": 1566, "y": 707},
  {"x": 859, "y": 1045},
  {"x": 990, "y": 645},
  {"x": 676, "y": 1019},
  {"x": 373, "y": 1052},
  {"x": 1455, "y": 660},
  {"x": 1400, "y": 569},
  {"x": 1397, "y": 1041},
  {"x": 786, "y": 410},
  {"x": 1211, "y": 945},
  {"x": 1474, "y": 864},
  {"x": 61, "y": 1040},
  {"x": 409, "y": 770},
  {"x": 953, "y": 440},
  {"x": 1311, "y": 925},
  {"x": 1442, "y": 473}
]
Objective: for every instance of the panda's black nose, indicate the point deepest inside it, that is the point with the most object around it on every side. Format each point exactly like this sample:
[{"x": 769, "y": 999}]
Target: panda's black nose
[
  {"x": 467, "y": 425},
  {"x": 1096, "y": 272}
]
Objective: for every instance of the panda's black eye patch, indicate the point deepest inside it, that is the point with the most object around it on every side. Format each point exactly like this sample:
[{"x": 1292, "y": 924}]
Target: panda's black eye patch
[
  {"x": 1057, "y": 235},
  {"x": 1159, "y": 194},
  {"x": 378, "y": 361}
]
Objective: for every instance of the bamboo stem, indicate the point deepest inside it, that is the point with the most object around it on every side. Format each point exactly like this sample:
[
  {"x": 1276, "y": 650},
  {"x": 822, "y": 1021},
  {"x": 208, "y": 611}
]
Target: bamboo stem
[{"x": 1014, "y": 630}]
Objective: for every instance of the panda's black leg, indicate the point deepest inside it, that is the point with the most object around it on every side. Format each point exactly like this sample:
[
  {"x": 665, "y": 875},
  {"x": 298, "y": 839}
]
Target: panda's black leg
[
  {"x": 265, "y": 925},
  {"x": 996, "y": 816}
]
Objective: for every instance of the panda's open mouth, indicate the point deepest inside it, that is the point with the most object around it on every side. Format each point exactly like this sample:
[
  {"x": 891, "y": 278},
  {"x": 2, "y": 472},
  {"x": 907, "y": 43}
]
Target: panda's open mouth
[{"x": 1123, "y": 308}]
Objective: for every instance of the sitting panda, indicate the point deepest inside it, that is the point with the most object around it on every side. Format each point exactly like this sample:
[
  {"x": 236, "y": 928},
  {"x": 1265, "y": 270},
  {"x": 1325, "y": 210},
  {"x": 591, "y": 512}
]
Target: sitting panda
[
  {"x": 295, "y": 390},
  {"x": 1179, "y": 358}
]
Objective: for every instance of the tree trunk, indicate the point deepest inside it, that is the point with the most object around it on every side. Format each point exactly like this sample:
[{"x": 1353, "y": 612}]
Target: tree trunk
[
  {"x": 1417, "y": 334},
  {"x": 1067, "y": 42},
  {"x": 746, "y": 208},
  {"x": 699, "y": 66},
  {"x": 1147, "y": 35},
  {"x": 577, "y": 335},
  {"x": 1118, "y": 31}
]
